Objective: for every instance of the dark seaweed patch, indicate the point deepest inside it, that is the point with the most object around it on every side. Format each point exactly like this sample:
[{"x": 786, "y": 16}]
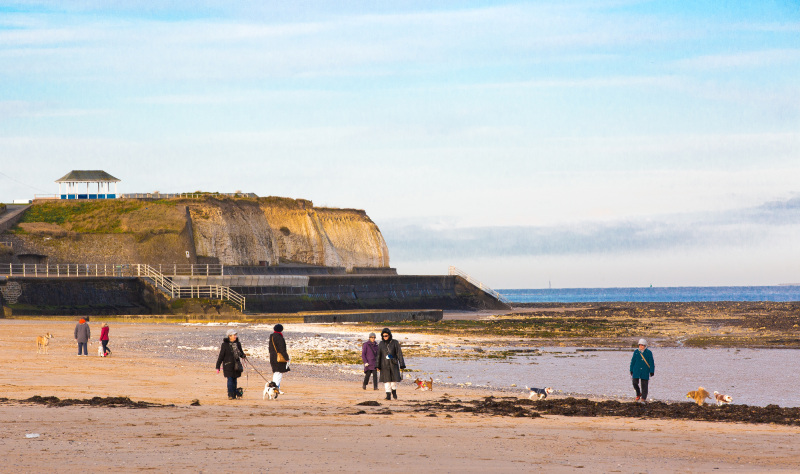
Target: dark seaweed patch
[
  {"x": 515, "y": 407},
  {"x": 112, "y": 402}
]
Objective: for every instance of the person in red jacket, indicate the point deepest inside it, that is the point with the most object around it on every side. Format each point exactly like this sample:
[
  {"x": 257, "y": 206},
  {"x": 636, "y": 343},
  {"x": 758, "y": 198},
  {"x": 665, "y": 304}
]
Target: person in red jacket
[{"x": 104, "y": 340}]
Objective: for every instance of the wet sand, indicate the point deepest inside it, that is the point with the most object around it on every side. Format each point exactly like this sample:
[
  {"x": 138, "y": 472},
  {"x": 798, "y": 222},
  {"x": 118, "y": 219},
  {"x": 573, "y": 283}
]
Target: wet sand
[{"x": 317, "y": 425}]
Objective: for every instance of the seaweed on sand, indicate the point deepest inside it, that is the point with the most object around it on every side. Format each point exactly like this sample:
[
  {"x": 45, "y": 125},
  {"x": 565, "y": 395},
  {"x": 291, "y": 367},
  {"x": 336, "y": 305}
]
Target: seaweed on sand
[{"x": 516, "y": 407}]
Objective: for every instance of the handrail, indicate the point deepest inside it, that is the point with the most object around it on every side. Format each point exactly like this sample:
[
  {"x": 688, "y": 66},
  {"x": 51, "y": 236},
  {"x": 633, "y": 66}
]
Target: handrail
[
  {"x": 199, "y": 291},
  {"x": 163, "y": 282},
  {"x": 455, "y": 271}
]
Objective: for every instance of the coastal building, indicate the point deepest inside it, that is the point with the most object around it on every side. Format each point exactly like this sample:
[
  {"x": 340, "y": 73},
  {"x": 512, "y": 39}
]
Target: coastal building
[{"x": 98, "y": 185}]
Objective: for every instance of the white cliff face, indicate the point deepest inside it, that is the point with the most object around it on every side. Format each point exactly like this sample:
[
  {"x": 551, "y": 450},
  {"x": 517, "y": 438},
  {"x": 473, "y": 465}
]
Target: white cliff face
[{"x": 246, "y": 232}]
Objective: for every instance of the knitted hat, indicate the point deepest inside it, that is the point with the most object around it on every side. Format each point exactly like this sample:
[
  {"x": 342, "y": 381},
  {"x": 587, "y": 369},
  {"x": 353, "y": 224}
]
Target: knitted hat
[
  {"x": 372, "y": 334},
  {"x": 82, "y": 321},
  {"x": 642, "y": 342},
  {"x": 231, "y": 332},
  {"x": 278, "y": 328}
]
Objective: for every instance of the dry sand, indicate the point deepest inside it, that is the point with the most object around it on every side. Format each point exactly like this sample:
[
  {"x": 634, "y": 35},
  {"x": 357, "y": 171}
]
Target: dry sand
[{"x": 314, "y": 426}]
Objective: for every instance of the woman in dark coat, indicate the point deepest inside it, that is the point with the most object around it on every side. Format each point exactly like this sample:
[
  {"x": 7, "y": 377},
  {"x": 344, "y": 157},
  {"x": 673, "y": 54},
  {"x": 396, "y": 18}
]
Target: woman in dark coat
[
  {"x": 277, "y": 345},
  {"x": 390, "y": 362},
  {"x": 369, "y": 355},
  {"x": 230, "y": 355}
]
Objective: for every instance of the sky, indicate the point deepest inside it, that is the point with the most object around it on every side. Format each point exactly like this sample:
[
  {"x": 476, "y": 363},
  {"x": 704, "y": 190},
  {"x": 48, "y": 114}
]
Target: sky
[{"x": 529, "y": 144}]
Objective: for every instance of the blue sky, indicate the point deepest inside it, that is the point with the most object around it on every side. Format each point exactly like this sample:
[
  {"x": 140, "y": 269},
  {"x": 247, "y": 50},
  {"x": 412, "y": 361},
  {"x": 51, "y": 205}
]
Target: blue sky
[{"x": 583, "y": 143}]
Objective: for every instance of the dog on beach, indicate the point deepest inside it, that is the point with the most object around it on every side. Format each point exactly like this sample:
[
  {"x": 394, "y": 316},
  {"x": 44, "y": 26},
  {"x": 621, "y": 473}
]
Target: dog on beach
[
  {"x": 271, "y": 389},
  {"x": 424, "y": 385},
  {"x": 722, "y": 399},
  {"x": 42, "y": 342},
  {"x": 540, "y": 393},
  {"x": 699, "y": 395},
  {"x": 100, "y": 351}
]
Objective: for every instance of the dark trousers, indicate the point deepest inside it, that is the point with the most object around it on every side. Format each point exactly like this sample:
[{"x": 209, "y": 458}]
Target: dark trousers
[
  {"x": 374, "y": 374},
  {"x": 82, "y": 346},
  {"x": 232, "y": 382},
  {"x": 643, "y": 392},
  {"x": 105, "y": 347}
]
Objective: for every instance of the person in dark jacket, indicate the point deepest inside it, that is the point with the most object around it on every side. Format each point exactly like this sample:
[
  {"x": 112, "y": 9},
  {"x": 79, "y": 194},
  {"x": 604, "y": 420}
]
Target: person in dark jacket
[
  {"x": 82, "y": 334},
  {"x": 642, "y": 368},
  {"x": 277, "y": 345},
  {"x": 390, "y": 363},
  {"x": 230, "y": 358},
  {"x": 369, "y": 355},
  {"x": 104, "y": 339}
]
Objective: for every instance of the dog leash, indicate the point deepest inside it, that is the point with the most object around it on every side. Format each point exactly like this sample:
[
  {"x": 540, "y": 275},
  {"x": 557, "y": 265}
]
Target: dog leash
[{"x": 252, "y": 366}]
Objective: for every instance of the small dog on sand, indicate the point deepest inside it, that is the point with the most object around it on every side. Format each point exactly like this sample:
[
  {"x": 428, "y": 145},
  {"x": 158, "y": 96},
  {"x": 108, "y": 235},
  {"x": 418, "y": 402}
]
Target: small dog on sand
[
  {"x": 423, "y": 385},
  {"x": 271, "y": 389},
  {"x": 722, "y": 399},
  {"x": 699, "y": 395},
  {"x": 42, "y": 342},
  {"x": 540, "y": 393}
]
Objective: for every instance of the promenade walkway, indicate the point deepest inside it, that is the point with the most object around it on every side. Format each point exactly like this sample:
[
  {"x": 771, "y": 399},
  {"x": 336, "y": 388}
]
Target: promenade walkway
[{"x": 12, "y": 214}]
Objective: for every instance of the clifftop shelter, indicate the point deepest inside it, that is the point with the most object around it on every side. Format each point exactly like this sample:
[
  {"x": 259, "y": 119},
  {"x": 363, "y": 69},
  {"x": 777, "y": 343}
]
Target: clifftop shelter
[{"x": 97, "y": 179}]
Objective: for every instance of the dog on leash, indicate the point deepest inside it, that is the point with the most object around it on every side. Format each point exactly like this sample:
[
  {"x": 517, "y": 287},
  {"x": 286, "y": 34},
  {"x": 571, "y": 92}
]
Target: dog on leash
[
  {"x": 722, "y": 399},
  {"x": 271, "y": 389},
  {"x": 540, "y": 393},
  {"x": 424, "y": 385},
  {"x": 699, "y": 395},
  {"x": 42, "y": 342}
]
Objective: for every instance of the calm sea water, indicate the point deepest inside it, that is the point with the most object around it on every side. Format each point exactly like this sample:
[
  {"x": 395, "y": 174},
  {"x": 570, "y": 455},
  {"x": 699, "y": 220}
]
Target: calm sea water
[{"x": 657, "y": 294}]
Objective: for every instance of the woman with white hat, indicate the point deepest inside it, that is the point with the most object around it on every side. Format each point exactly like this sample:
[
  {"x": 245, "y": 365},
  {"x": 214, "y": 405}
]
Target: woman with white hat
[
  {"x": 642, "y": 368},
  {"x": 230, "y": 358}
]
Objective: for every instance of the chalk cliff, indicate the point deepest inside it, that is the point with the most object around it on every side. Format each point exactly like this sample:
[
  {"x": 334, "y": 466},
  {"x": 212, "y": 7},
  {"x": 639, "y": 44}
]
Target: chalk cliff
[{"x": 231, "y": 231}]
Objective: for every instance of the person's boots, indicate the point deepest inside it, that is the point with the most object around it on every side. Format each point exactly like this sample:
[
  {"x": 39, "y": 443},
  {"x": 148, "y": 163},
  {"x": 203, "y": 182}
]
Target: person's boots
[
  {"x": 388, "y": 396},
  {"x": 363, "y": 386},
  {"x": 394, "y": 394}
]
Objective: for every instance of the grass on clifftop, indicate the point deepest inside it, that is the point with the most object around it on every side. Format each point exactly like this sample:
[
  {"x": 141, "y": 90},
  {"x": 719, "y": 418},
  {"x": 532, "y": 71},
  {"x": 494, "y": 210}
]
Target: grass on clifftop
[{"x": 113, "y": 216}]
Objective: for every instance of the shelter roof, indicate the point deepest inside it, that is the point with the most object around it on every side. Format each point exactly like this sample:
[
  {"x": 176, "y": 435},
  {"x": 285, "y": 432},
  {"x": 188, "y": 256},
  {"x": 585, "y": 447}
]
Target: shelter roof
[{"x": 87, "y": 176}]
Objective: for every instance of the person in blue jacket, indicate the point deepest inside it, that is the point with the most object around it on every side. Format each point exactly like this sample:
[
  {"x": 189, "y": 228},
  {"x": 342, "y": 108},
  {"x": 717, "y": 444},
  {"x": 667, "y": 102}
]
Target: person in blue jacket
[{"x": 642, "y": 368}]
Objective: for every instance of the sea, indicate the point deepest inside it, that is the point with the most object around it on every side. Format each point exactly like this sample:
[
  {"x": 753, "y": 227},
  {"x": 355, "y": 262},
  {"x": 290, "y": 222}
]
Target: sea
[{"x": 654, "y": 294}]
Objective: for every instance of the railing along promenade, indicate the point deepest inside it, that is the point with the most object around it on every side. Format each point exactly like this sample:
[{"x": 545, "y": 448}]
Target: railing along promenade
[
  {"x": 163, "y": 282},
  {"x": 455, "y": 271}
]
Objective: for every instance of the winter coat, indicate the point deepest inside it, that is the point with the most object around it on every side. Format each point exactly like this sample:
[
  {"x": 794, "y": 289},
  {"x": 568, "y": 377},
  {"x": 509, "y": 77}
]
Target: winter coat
[
  {"x": 390, "y": 367},
  {"x": 83, "y": 333},
  {"x": 639, "y": 369},
  {"x": 104, "y": 334},
  {"x": 369, "y": 355},
  {"x": 229, "y": 355},
  {"x": 277, "y": 344}
]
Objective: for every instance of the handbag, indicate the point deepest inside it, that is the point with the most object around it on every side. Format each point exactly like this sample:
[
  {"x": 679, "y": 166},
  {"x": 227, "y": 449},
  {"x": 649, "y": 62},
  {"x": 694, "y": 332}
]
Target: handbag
[{"x": 279, "y": 357}]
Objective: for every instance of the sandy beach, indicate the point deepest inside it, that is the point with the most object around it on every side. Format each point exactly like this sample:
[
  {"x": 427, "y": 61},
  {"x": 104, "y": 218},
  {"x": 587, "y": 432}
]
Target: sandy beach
[{"x": 318, "y": 424}]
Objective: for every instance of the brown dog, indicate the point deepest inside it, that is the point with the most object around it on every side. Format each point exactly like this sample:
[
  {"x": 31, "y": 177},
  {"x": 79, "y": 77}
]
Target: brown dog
[
  {"x": 423, "y": 385},
  {"x": 42, "y": 342},
  {"x": 722, "y": 399},
  {"x": 699, "y": 395}
]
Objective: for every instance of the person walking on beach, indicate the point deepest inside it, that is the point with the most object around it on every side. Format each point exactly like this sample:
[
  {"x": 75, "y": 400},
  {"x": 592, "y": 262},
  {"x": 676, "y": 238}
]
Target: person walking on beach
[
  {"x": 104, "y": 339},
  {"x": 369, "y": 355},
  {"x": 278, "y": 357},
  {"x": 642, "y": 368},
  {"x": 82, "y": 334},
  {"x": 390, "y": 363},
  {"x": 230, "y": 358}
]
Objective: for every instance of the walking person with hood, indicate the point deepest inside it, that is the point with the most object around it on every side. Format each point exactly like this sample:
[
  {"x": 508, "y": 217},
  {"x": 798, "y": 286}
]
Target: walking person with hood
[
  {"x": 390, "y": 363},
  {"x": 369, "y": 355},
  {"x": 230, "y": 358},
  {"x": 278, "y": 357},
  {"x": 104, "y": 339},
  {"x": 82, "y": 334},
  {"x": 642, "y": 368}
]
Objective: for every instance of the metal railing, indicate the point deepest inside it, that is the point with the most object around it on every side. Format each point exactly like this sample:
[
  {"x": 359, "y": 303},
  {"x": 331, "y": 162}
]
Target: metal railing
[
  {"x": 183, "y": 195},
  {"x": 166, "y": 285},
  {"x": 455, "y": 271},
  {"x": 102, "y": 269},
  {"x": 161, "y": 281}
]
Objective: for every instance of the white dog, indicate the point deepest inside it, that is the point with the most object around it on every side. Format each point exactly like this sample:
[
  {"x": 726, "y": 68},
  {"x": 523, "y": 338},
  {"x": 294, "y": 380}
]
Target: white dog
[
  {"x": 271, "y": 389},
  {"x": 100, "y": 351}
]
